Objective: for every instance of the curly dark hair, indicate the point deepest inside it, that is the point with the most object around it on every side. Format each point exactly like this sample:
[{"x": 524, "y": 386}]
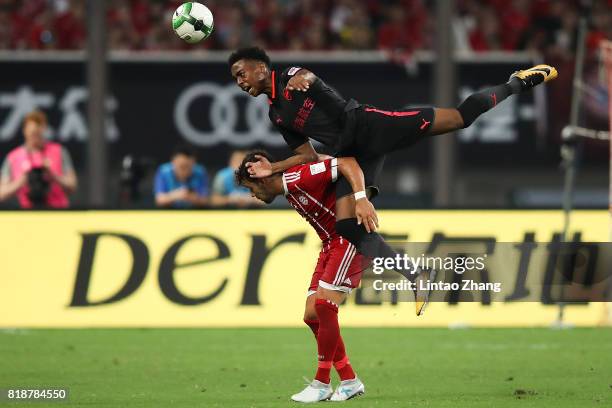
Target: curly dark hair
[
  {"x": 250, "y": 53},
  {"x": 242, "y": 173}
]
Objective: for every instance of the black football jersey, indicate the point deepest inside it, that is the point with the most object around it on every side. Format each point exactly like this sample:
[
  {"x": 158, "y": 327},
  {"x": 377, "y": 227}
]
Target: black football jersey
[{"x": 298, "y": 117}]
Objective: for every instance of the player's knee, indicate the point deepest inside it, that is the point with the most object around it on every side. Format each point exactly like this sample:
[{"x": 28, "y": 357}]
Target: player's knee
[
  {"x": 310, "y": 316},
  {"x": 456, "y": 120},
  {"x": 310, "y": 313},
  {"x": 333, "y": 296},
  {"x": 349, "y": 229},
  {"x": 322, "y": 305},
  {"x": 470, "y": 109},
  {"x": 342, "y": 226}
]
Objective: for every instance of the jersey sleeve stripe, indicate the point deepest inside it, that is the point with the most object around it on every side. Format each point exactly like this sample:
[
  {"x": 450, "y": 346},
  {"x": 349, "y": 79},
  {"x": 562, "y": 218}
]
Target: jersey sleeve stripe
[
  {"x": 285, "y": 185},
  {"x": 334, "y": 169}
]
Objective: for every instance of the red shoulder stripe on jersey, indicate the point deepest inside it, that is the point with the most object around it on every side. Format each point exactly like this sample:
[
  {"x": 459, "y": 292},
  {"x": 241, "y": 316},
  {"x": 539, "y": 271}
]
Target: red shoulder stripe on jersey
[{"x": 273, "y": 88}]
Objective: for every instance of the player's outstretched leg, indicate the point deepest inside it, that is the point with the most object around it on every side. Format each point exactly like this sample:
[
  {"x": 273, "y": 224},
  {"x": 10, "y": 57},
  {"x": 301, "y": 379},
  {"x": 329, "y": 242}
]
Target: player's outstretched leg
[
  {"x": 370, "y": 244},
  {"x": 520, "y": 81},
  {"x": 449, "y": 120}
]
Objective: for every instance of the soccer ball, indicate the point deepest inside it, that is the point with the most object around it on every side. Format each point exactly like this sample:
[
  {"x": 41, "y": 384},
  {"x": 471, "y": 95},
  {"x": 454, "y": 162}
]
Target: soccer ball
[{"x": 192, "y": 22}]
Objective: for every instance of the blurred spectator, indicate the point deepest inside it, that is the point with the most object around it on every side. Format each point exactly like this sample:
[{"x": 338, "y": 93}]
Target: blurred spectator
[
  {"x": 69, "y": 27},
  {"x": 225, "y": 190},
  {"x": 40, "y": 173},
  {"x": 515, "y": 20},
  {"x": 403, "y": 29},
  {"x": 181, "y": 183},
  {"x": 486, "y": 36},
  {"x": 357, "y": 34}
]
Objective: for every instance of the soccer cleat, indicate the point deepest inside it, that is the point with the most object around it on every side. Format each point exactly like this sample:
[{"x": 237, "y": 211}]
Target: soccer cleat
[
  {"x": 531, "y": 77},
  {"x": 315, "y": 391},
  {"x": 421, "y": 296},
  {"x": 348, "y": 389}
]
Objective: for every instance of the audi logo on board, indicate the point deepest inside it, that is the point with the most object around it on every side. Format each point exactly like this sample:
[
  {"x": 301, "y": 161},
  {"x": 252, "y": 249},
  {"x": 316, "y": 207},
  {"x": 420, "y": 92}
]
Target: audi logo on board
[{"x": 224, "y": 115}]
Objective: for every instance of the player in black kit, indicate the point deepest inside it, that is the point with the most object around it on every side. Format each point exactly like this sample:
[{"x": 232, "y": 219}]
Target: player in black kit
[{"x": 303, "y": 107}]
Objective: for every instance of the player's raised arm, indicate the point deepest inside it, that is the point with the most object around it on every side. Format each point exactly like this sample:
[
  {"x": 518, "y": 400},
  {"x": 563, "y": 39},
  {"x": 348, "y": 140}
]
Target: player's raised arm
[
  {"x": 328, "y": 100},
  {"x": 364, "y": 210},
  {"x": 304, "y": 153},
  {"x": 301, "y": 81}
]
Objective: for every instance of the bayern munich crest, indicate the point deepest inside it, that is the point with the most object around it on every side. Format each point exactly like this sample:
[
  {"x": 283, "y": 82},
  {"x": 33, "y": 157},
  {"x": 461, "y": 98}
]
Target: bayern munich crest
[{"x": 303, "y": 200}]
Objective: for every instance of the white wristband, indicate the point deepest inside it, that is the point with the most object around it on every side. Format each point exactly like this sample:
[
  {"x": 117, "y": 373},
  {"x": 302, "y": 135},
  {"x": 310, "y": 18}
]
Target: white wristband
[{"x": 360, "y": 194}]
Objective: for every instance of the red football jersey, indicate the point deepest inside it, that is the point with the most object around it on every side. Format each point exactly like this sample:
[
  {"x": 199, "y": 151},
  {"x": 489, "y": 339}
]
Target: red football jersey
[{"x": 310, "y": 189}]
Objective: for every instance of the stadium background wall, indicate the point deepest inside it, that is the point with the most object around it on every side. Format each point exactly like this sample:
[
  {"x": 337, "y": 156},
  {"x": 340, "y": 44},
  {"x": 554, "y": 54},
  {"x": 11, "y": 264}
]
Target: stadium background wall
[{"x": 230, "y": 268}]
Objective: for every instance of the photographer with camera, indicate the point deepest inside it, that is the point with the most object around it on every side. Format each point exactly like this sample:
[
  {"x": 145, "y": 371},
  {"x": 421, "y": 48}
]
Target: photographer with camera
[{"x": 40, "y": 173}]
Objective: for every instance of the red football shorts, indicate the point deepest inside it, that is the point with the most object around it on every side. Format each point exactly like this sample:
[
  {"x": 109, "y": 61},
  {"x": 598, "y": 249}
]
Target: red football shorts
[{"x": 339, "y": 267}]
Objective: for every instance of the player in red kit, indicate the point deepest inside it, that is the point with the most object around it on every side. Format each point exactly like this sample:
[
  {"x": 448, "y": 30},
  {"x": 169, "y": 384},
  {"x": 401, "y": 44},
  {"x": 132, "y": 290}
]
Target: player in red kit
[{"x": 311, "y": 191}]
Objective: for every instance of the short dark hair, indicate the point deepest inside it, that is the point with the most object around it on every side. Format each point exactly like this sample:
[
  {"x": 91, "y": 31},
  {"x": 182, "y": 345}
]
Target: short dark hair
[
  {"x": 185, "y": 150},
  {"x": 242, "y": 173},
  {"x": 249, "y": 53}
]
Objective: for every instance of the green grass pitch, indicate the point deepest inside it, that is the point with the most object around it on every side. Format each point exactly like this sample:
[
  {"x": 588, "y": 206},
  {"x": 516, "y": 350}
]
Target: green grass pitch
[{"x": 263, "y": 367}]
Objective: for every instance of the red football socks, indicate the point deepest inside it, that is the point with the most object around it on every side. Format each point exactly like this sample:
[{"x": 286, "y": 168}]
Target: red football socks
[
  {"x": 343, "y": 365},
  {"x": 327, "y": 337},
  {"x": 340, "y": 360}
]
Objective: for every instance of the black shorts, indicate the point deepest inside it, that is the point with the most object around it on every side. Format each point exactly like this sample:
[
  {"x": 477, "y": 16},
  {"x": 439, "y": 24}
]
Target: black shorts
[
  {"x": 372, "y": 167},
  {"x": 379, "y": 132}
]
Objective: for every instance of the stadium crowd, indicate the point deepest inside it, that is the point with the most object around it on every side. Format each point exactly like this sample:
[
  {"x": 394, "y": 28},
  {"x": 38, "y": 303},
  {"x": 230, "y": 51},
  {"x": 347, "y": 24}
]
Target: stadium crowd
[
  {"x": 404, "y": 25},
  {"x": 39, "y": 174}
]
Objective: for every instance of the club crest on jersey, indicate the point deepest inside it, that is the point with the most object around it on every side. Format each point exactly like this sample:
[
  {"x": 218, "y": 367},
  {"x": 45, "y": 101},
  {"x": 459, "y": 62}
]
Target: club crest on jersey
[{"x": 303, "y": 200}]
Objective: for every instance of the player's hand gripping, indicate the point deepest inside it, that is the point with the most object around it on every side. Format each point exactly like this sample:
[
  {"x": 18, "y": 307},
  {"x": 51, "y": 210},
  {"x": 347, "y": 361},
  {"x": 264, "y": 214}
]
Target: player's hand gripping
[
  {"x": 261, "y": 168},
  {"x": 298, "y": 83},
  {"x": 366, "y": 214}
]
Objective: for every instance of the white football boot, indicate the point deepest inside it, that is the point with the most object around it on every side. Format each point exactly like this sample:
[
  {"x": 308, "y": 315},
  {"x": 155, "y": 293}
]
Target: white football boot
[
  {"x": 348, "y": 389},
  {"x": 315, "y": 391}
]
